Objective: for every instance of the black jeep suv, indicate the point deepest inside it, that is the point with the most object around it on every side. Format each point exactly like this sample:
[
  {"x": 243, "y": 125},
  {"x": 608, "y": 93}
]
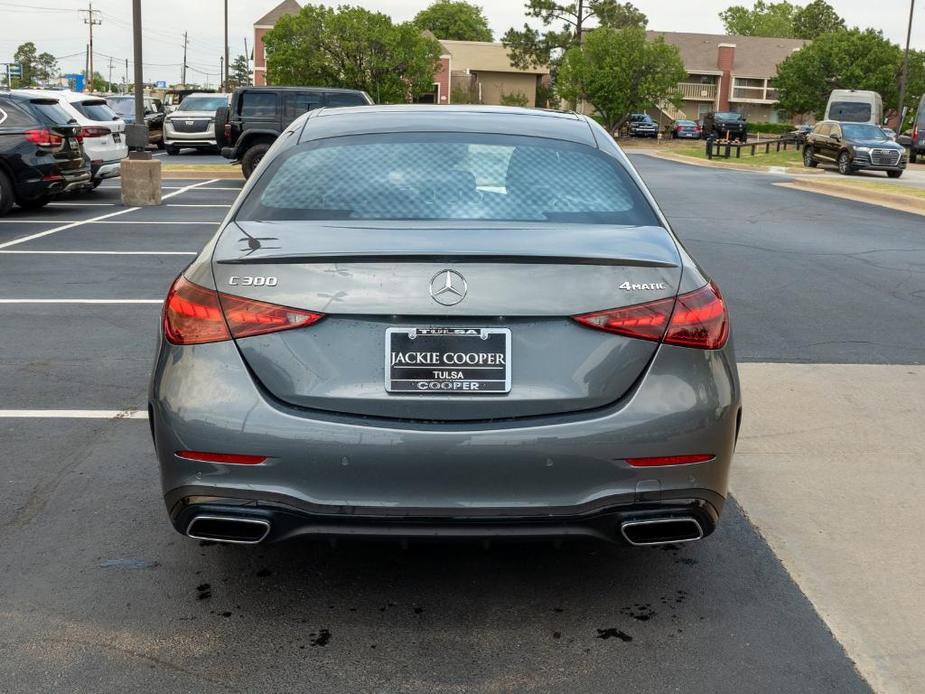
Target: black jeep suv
[
  {"x": 725, "y": 125},
  {"x": 257, "y": 115},
  {"x": 41, "y": 153}
]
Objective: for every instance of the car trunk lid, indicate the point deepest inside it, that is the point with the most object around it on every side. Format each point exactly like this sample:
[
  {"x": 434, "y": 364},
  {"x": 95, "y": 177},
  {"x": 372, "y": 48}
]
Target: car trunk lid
[{"x": 526, "y": 281}]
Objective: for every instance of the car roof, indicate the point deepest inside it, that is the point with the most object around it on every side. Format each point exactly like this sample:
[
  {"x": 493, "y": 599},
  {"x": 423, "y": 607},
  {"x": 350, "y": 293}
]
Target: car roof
[
  {"x": 300, "y": 89},
  {"x": 500, "y": 120}
]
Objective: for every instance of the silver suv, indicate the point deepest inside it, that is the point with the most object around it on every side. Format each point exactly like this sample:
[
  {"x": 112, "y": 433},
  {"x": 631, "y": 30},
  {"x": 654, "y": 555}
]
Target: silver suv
[{"x": 192, "y": 124}]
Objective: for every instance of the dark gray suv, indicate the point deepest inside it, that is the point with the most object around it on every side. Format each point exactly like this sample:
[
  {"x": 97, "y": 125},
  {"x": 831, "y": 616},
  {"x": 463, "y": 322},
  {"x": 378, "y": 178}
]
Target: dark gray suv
[
  {"x": 245, "y": 130},
  {"x": 852, "y": 147}
]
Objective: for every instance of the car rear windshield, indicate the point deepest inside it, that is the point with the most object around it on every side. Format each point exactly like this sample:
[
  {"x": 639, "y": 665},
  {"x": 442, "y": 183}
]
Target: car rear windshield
[
  {"x": 94, "y": 110},
  {"x": 852, "y": 111},
  {"x": 447, "y": 176},
  {"x": 863, "y": 131},
  {"x": 50, "y": 112},
  {"x": 202, "y": 103}
]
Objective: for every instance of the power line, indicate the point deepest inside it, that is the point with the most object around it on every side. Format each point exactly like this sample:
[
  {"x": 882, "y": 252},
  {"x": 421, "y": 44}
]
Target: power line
[{"x": 91, "y": 21}]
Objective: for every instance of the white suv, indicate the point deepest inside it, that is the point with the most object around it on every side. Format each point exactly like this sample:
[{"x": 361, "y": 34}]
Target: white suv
[
  {"x": 102, "y": 131},
  {"x": 192, "y": 123}
]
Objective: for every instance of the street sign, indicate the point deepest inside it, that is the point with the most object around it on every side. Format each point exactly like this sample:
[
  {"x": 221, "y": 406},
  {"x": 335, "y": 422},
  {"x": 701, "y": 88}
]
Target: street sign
[
  {"x": 14, "y": 70},
  {"x": 160, "y": 84}
]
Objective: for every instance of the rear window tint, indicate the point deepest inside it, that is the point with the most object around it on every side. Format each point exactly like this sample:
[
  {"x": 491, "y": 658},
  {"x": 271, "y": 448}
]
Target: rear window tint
[
  {"x": 94, "y": 110},
  {"x": 258, "y": 105},
  {"x": 852, "y": 111},
  {"x": 334, "y": 99},
  {"x": 450, "y": 177},
  {"x": 50, "y": 113}
]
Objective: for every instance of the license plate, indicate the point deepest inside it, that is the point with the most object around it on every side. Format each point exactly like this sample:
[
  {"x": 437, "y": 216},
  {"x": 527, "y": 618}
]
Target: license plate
[
  {"x": 446, "y": 361},
  {"x": 116, "y": 137}
]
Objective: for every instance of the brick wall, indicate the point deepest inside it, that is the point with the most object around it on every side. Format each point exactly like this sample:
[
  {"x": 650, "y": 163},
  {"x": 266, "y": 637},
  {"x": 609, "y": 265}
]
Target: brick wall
[{"x": 725, "y": 61}]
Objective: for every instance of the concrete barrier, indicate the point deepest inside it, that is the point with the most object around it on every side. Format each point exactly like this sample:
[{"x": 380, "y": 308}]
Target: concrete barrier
[{"x": 141, "y": 180}]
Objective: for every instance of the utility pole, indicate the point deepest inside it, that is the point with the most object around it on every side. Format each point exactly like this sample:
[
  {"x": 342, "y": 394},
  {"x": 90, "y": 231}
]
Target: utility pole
[
  {"x": 904, "y": 74},
  {"x": 92, "y": 21},
  {"x": 183, "y": 71},
  {"x": 221, "y": 71},
  {"x": 247, "y": 58},
  {"x": 139, "y": 66},
  {"x": 125, "y": 78},
  {"x": 109, "y": 86},
  {"x": 225, "y": 69}
]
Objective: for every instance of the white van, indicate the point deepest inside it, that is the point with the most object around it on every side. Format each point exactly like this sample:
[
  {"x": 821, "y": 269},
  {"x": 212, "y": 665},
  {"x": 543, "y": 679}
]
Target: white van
[{"x": 855, "y": 106}]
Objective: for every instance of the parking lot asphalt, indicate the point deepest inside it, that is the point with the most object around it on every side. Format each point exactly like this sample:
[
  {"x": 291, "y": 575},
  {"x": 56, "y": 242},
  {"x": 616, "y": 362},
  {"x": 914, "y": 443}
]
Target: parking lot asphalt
[{"x": 100, "y": 594}]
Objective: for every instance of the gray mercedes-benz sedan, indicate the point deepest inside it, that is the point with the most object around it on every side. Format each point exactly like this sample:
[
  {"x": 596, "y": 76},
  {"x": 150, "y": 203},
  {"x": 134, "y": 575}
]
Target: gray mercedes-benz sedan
[{"x": 423, "y": 321}]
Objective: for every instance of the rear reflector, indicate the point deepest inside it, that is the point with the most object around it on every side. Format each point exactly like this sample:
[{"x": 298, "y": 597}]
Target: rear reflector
[
  {"x": 227, "y": 458},
  {"x": 196, "y": 315},
  {"x": 695, "y": 319},
  {"x": 670, "y": 460}
]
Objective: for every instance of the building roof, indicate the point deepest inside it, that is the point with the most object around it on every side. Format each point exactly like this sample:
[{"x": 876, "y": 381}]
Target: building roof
[
  {"x": 281, "y": 10},
  {"x": 755, "y": 56},
  {"x": 484, "y": 56}
]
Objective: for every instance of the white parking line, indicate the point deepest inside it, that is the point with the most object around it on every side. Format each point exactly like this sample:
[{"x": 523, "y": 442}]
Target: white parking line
[
  {"x": 81, "y": 204},
  {"x": 72, "y": 225},
  {"x": 185, "y": 205},
  {"x": 73, "y": 414},
  {"x": 98, "y": 252},
  {"x": 81, "y": 301}
]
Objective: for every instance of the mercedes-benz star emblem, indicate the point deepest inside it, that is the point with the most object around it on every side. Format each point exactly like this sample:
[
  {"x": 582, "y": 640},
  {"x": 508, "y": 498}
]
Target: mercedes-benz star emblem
[{"x": 448, "y": 287}]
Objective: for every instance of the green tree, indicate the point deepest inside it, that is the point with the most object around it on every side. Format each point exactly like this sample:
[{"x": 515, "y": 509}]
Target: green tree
[
  {"x": 239, "y": 74},
  {"x": 354, "y": 48},
  {"x": 514, "y": 99},
  {"x": 853, "y": 59},
  {"x": 816, "y": 19},
  {"x": 454, "y": 20},
  {"x": 530, "y": 48},
  {"x": 763, "y": 19},
  {"x": 619, "y": 71},
  {"x": 37, "y": 68}
]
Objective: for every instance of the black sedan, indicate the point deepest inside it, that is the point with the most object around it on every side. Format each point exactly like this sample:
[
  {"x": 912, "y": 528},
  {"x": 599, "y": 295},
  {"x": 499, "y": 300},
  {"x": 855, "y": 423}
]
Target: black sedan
[
  {"x": 852, "y": 147},
  {"x": 41, "y": 153}
]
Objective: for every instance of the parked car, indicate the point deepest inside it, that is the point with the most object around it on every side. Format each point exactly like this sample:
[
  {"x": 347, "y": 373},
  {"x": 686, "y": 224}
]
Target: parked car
[
  {"x": 101, "y": 130},
  {"x": 685, "y": 130},
  {"x": 257, "y": 115},
  {"x": 852, "y": 147},
  {"x": 378, "y": 377},
  {"x": 192, "y": 123},
  {"x": 174, "y": 97},
  {"x": 917, "y": 136},
  {"x": 854, "y": 106},
  {"x": 725, "y": 125},
  {"x": 642, "y": 125},
  {"x": 40, "y": 152},
  {"x": 154, "y": 114},
  {"x": 798, "y": 134},
  {"x": 890, "y": 133}
]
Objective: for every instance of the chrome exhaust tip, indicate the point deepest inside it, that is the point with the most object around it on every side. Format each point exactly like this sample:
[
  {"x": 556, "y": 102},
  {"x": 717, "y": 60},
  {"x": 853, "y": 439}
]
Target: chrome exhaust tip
[
  {"x": 661, "y": 531},
  {"x": 231, "y": 529}
]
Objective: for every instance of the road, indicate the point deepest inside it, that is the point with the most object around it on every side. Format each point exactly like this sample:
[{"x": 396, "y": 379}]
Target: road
[{"x": 100, "y": 594}]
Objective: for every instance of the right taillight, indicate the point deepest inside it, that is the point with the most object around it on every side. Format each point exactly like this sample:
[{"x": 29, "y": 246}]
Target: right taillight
[
  {"x": 696, "y": 319},
  {"x": 195, "y": 315}
]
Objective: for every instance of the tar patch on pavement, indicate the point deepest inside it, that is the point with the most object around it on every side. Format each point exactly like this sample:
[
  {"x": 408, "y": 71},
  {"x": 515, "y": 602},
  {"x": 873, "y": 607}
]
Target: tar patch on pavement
[
  {"x": 322, "y": 639},
  {"x": 203, "y": 591},
  {"x": 611, "y": 633}
]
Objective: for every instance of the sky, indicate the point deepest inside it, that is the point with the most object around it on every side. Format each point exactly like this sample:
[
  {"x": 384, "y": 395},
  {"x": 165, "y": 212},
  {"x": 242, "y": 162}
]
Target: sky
[{"x": 56, "y": 26}]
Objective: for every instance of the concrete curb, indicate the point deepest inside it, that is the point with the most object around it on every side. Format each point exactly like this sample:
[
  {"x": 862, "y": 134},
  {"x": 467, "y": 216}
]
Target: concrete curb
[
  {"x": 846, "y": 191},
  {"x": 712, "y": 164}
]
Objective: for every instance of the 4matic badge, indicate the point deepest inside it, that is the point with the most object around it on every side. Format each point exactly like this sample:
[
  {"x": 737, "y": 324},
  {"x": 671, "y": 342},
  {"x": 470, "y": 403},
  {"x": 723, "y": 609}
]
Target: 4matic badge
[{"x": 642, "y": 287}]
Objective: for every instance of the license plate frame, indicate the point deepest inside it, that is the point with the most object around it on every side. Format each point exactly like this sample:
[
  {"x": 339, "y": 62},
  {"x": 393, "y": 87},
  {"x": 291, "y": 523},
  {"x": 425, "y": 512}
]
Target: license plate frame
[
  {"x": 117, "y": 138},
  {"x": 484, "y": 377}
]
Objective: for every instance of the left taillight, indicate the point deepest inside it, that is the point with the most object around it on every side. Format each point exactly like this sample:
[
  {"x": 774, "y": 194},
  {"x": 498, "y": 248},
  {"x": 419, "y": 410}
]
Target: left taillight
[
  {"x": 43, "y": 137},
  {"x": 195, "y": 315},
  {"x": 94, "y": 131},
  {"x": 695, "y": 319}
]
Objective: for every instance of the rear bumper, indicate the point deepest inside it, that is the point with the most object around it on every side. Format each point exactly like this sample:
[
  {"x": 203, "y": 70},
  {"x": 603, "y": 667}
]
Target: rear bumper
[
  {"x": 286, "y": 518},
  {"x": 109, "y": 169},
  {"x": 343, "y": 467}
]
